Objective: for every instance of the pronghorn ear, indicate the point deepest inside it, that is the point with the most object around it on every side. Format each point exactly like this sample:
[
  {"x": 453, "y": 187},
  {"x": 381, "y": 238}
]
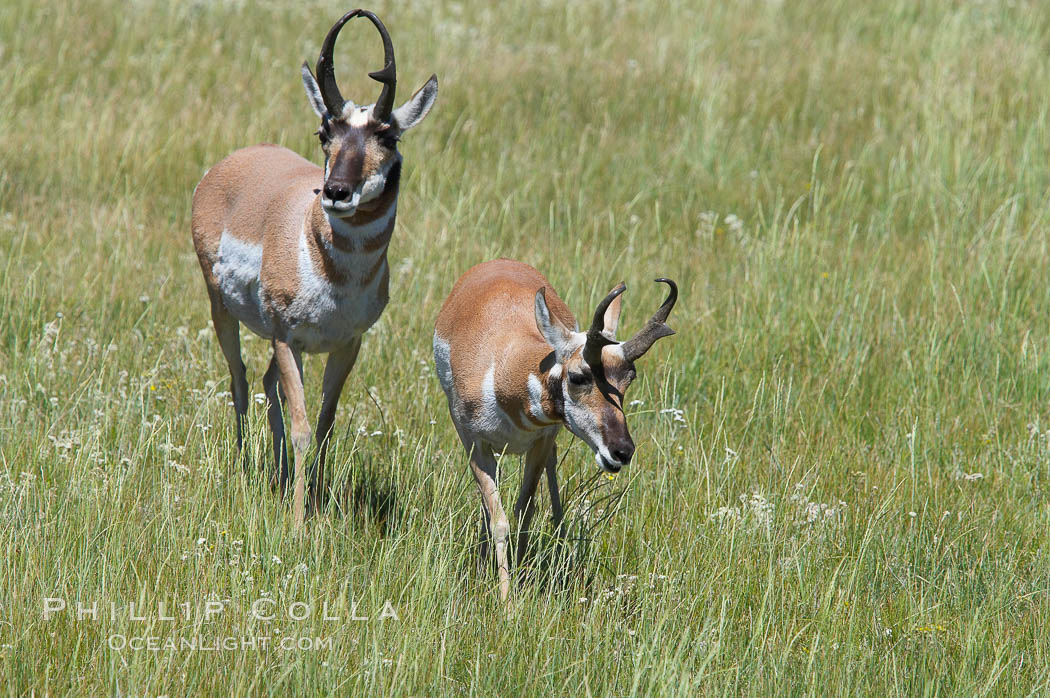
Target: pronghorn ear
[
  {"x": 418, "y": 106},
  {"x": 612, "y": 318},
  {"x": 313, "y": 92},
  {"x": 557, "y": 335}
]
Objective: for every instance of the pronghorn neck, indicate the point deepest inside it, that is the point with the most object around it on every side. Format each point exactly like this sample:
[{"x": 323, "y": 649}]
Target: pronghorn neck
[{"x": 546, "y": 402}]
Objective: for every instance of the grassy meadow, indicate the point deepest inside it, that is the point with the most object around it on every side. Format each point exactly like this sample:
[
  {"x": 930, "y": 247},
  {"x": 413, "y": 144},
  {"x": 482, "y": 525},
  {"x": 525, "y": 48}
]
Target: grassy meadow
[{"x": 843, "y": 467}]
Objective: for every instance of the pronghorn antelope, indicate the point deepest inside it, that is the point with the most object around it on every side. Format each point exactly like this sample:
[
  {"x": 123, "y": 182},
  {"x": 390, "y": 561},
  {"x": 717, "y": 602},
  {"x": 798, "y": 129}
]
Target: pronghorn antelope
[
  {"x": 298, "y": 254},
  {"x": 515, "y": 368}
]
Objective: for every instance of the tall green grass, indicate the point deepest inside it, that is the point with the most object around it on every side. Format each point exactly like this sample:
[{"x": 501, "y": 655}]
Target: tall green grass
[{"x": 844, "y": 454}]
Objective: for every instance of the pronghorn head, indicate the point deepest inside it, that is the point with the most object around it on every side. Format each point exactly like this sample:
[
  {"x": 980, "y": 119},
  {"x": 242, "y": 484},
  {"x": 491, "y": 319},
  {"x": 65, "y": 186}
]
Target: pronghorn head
[
  {"x": 360, "y": 141},
  {"x": 593, "y": 371}
]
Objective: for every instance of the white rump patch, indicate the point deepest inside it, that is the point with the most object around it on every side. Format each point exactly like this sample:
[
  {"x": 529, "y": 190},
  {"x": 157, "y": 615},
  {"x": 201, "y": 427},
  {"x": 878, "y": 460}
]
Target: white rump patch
[{"x": 443, "y": 363}]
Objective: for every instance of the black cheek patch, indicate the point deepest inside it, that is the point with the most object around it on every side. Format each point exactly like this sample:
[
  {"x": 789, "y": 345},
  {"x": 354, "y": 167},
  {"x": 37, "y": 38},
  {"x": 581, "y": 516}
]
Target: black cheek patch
[
  {"x": 393, "y": 179},
  {"x": 608, "y": 390},
  {"x": 549, "y": 360}
]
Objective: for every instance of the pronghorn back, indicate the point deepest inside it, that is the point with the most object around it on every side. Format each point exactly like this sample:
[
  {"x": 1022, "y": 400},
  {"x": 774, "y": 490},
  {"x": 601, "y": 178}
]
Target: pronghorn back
[
  {"x": 261, "y": 178},
  {"x": 493, "y": 301}
]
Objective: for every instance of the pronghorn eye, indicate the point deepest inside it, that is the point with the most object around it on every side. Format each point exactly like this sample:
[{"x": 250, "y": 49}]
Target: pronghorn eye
[{"x": 579, "y": 378}]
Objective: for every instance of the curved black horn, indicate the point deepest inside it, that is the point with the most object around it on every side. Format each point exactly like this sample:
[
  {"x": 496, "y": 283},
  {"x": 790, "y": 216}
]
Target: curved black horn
[
  {"x": 592, "y": 350},
  {"x": 333, "y": 101},
  {"x": 388, "y": 75},
  {"x": 637, "y": 345}
]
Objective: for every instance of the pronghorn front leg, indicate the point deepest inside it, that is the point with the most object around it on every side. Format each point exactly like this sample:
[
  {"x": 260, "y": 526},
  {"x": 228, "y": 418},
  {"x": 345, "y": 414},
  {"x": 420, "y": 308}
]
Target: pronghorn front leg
[
  {"x": 535, "y": 461},
  {"x": 288, "y": 362},
  {"x": 275, "y": 398},
  {"x": 484, "y": 466},
  {"x": 338, "y": 367}
]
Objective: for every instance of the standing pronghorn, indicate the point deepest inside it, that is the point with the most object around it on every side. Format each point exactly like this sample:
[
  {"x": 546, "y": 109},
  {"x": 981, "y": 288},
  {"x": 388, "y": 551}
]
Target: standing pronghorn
[
  {"x": 515, "y": 367},
  {"x": 298, "y": 254}
]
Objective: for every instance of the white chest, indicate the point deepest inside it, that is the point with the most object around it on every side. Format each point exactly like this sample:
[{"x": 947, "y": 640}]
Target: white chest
[{"x": 326, "y": 315}]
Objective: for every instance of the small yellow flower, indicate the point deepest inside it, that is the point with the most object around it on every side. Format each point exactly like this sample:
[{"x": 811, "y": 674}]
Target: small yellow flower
[{"x": 152, "y": 387}]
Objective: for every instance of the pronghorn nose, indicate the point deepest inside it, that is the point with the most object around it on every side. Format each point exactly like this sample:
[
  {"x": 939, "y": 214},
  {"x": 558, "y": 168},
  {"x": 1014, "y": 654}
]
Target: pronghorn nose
[
  {"x": 336, "y": 192},
  {"x": 623, "y": 452}
]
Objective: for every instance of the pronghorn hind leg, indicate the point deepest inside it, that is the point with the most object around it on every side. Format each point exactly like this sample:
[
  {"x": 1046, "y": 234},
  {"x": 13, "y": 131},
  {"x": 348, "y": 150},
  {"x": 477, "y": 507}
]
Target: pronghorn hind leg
[
  {"x": 289, "y": 364},
  {"x": 484, "y": 538},
  {"x": 227, "y": 329},
  {"x": 336, "y": 369},
  {"x": 275, "y": 398},
  {"x": 535, "y": 461},
  {"x": 484, "y": 466}
]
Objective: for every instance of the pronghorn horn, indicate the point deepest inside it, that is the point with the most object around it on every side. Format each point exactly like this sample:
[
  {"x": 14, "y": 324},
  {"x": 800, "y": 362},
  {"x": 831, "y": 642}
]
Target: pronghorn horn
[
  {"x": 592, "y": 349},
  {"x": 333, "y": 101},
  {"x": 637, "y": 345},
  {"x": 388, "y": 75}
]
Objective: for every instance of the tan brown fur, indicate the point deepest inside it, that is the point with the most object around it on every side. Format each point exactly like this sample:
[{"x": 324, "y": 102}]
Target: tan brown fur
[
  {"x": 490, "y": 307},
  {"x": 493, "y": 357},
  {"x": 268, "y": 197},
  {"x": 298, "y": 253}
]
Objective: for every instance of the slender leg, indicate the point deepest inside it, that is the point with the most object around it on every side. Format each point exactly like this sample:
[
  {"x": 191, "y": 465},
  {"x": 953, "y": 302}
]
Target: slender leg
[
  {"x": 338, "y": 367},
  {"x": 483, "y": 548},
  {"x": 483, "y": 464},
  {"x": 552, "y": 486},
  {"x": 535, "y": 461},
  {"x": 288, "y": 366},
  {"x": 274, "y": 413},
  {"x": 227, "y": 330}
]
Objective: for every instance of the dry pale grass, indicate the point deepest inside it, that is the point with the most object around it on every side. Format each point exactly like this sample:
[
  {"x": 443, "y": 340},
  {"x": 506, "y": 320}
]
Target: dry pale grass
[{"x": 842, "y": 454}]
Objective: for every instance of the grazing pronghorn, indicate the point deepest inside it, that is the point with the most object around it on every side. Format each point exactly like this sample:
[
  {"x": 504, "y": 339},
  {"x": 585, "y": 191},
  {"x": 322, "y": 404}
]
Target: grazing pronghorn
[
  {"x": 298, "y": 254},
  {"x": 515, "y": 368}
]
